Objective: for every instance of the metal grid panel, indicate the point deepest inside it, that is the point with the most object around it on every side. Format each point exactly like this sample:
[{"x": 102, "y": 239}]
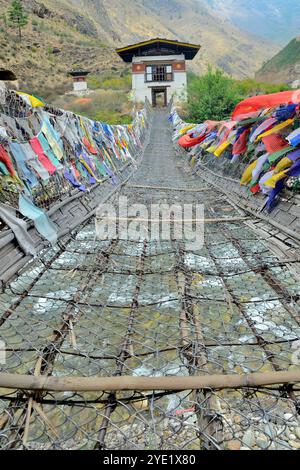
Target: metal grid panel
[{"x": 93, "y": 308}]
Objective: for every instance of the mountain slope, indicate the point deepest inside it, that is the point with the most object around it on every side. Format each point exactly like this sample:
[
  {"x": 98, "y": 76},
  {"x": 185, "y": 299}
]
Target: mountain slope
[
  {"x": 54, "y": 42},
  {"x": 86, "y": 32},
  {"x": 284, "y": 66},
  {"x": 223, "y": 44},
  {"x": 277, "y": 20}
]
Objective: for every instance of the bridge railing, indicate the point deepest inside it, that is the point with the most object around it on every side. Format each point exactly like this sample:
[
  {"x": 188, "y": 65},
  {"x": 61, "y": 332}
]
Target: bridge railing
[
  {"x": 47, "y": 153},
  {"x": 280, "y": 207}
]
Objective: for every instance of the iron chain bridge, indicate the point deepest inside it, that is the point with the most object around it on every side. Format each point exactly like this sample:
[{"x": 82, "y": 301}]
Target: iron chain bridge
[{"x": 142, "y": 344}]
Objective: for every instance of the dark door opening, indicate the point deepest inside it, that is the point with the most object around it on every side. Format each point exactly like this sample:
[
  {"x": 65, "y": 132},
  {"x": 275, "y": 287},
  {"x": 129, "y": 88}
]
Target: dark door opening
[{"x": 159, "y": 97}]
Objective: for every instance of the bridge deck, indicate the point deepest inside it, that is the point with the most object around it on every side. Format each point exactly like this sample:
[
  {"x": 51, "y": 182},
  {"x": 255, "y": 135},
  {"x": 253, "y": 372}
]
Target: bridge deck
[{"x": 156, "y": 308}]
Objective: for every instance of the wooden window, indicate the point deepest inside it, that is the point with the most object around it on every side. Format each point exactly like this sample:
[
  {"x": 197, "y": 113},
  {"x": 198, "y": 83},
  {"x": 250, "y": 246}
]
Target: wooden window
[
  {"x": 149, "y": 73},
  {"x": 159, "y": 73}
]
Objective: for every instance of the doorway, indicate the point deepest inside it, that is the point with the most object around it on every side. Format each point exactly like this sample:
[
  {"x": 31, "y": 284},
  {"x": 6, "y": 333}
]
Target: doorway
[{"x": 159, "y": 97}]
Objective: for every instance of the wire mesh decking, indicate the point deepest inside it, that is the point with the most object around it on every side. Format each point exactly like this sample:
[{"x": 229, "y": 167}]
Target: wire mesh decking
[{"x": 145, "y": 308}]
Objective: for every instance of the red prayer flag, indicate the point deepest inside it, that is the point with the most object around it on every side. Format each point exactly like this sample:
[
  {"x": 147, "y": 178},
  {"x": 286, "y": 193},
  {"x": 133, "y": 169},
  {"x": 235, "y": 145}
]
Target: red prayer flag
[
  {"x": 256, "y": 103},
  {"x": 274, "y": 143},
  {"x": 5, "y": 158},
  {"x": 240, "y": 146}
]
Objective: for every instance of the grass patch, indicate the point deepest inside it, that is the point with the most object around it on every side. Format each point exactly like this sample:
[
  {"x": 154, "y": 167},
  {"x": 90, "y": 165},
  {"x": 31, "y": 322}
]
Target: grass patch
[
  {"x": 111, "y": 106},
  {"x": 250, "y": 87},
  {"x": 110, "y": 82}
]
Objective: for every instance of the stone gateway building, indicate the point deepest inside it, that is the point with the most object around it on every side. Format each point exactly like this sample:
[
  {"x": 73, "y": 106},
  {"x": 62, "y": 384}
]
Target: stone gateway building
[{"x": 159, "y": 69}]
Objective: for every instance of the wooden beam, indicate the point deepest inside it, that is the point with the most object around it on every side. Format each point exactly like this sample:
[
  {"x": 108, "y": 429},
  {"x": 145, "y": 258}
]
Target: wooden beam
[{"x": 67, "y": 383}]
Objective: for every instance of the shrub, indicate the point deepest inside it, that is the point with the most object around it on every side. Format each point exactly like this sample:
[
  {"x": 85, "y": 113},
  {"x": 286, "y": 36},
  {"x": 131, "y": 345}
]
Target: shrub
[
  {"x": 94, "y": 82},
  {"x": 112, "y": 117},
  {"x": 211, "y": 96},
  {"x": 214, "y": 95},
  {"x": 117, "y": 83}
]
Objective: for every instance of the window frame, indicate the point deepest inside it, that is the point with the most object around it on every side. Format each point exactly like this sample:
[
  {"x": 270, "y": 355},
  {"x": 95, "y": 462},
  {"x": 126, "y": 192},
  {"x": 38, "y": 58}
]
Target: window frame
[{"x": 159, "y": 73}]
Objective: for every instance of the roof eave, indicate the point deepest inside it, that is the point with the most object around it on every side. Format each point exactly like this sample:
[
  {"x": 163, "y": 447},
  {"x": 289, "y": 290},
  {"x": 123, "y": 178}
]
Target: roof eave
[{"x": 129, "y": 50}]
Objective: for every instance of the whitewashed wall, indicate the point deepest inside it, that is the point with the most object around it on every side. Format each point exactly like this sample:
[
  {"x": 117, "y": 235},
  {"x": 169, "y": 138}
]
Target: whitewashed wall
[
  {"x": 80, "y": 86},
  {"x": 142, "y": 89}
]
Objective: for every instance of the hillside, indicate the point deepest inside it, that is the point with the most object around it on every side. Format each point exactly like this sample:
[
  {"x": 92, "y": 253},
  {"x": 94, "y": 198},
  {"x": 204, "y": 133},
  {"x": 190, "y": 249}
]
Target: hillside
[
  {"x": 284, "y": 66},
  {"x": 64, "y": 33},
  {"x": 122, "y": 22},
  {"x": 52, "y": 44},
  {"x": 277, "y": 20}
]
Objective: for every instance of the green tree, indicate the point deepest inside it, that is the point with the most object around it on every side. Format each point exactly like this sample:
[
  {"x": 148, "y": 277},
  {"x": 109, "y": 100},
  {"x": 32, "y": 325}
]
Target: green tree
[
  {"x": 211, "y": 96},
  {"x": 16, "y": 16}
]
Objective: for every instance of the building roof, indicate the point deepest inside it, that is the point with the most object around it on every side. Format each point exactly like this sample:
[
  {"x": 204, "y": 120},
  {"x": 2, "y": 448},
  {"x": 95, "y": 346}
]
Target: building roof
[
  {"x": 160, "y": 47},
  {"x": 79, "y": 73}
]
